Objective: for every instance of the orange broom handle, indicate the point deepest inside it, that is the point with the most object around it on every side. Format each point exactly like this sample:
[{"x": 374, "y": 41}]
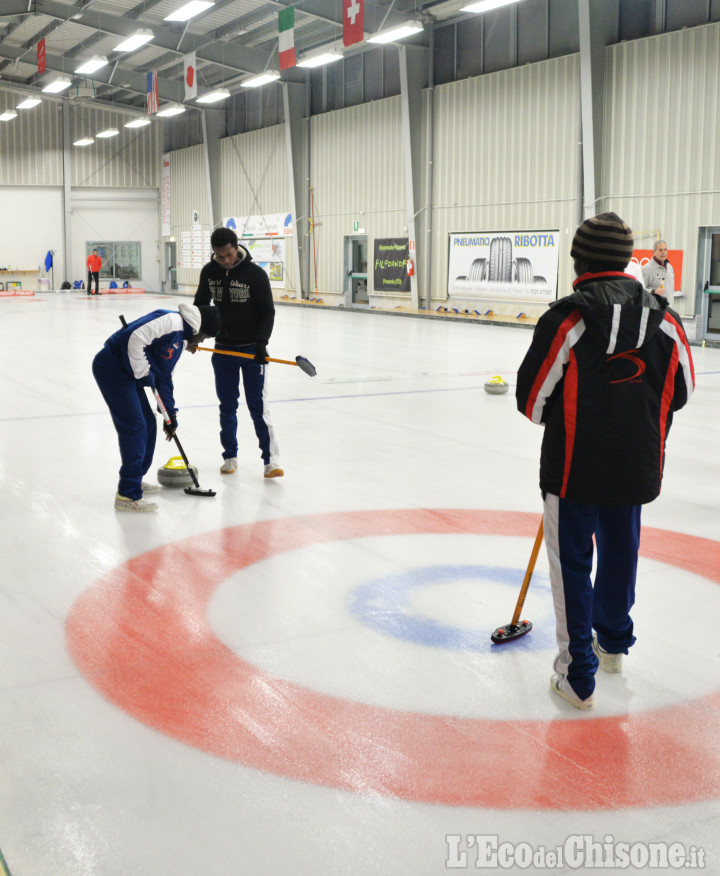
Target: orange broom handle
[
  {"x": 528, "y": 575},
  {"x": 244, "y": 355}
]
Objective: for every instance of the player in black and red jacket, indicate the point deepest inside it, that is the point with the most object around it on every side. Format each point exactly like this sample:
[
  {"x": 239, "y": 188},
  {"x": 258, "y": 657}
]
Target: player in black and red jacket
[{"x": 607, "y": 368}]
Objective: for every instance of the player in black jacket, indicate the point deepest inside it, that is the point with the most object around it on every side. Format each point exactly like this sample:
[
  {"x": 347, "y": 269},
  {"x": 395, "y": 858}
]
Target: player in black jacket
[
  {"x": 607, "y": 368},
  {"x": 241, "y": 291}
]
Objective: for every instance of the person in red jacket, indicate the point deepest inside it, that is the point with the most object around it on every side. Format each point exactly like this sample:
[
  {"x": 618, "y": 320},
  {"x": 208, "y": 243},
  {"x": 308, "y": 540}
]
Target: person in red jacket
[
  {"x": 607, "y": 368},
  {"x": 94, "y": 263}
]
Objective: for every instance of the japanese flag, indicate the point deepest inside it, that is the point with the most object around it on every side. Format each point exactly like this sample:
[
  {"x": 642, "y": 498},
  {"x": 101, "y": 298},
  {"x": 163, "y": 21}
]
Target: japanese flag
[{"x": 190, "y": 76}]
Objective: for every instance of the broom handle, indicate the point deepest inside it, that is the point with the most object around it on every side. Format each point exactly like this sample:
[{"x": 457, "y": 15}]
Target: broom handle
[
  {"x": 528, "y": 575},
  {"x": 244, "y": 355}
]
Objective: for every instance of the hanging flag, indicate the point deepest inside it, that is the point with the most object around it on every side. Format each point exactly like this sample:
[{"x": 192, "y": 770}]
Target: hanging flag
[
  {"x": 153, "y": 99},
  {"x": 286, "y": 28},
  {"x": 48, "y": 260},
  {"x": 190, "y": 76},
  {"x": 353, "y": 21},
  {"x": 41, "y": 57}
]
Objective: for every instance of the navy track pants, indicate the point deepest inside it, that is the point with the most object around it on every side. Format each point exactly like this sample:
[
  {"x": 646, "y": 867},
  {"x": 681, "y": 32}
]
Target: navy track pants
[
  {"x": 581, "y": 604},
  {"x": 228, "y": 372},
  {"x": 133, "y": 418}
]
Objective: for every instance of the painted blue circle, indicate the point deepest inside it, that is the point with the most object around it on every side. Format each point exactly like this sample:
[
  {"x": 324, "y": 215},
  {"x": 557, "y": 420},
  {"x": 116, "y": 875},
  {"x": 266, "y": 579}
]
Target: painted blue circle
[{"x": 384, "y": 605}]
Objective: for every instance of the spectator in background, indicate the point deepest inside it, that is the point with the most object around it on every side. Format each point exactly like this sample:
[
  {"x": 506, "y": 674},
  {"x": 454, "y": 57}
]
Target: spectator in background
[
  {"x": 658, "y": 273},
  {"x": 94, "y": 263}
]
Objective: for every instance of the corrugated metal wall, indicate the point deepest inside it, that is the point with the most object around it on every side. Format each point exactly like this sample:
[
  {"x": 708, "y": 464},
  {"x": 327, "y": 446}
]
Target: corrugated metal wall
[
  {"x": 129, "y": 160},
  {"x": 31, "y": 144},
  {"x": 506, "y": 157},
  {"x": 661, "y": 162},
  {"x": 357, "y": 173},
  {"x": 189, "y": 193},
  {"x": 255, "y": 177}
]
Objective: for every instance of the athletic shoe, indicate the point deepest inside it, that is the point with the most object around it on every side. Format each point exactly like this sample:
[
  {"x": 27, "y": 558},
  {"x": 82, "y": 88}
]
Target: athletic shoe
[
  {"x": 122, "y": 503},
  {"x": 229, "y": 466},
  {"x": 569, "y": 695},
  {"x": 273, "y": 470},
  {"x": 609, "y": 662},
  {"x": 150, "y": 488}
]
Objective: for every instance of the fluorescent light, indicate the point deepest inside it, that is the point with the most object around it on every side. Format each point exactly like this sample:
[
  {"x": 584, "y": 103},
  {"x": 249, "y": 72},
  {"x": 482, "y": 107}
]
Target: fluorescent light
[
  {"x": 171, "y": 111},
  {"x": 487, "y": 5},
  {"x": 95, "y": 63},
  {"x": 397, "y": 33},
  {"x": 29, "y": 103},
  {"x": 319, "y": 60},
  {"x": 57, "y": 85},
  {"x": 111, "y": 132},
  {"x": 137, "y": 123},
  {"x": 214, "y": 96},
  {"x": 262, "y": 79},
  {"x": 6, "y": 116},
  {"x": 139, "y": 38},
  {"x": 85, "y": 141},
  {"x": 195, "y": 7}
]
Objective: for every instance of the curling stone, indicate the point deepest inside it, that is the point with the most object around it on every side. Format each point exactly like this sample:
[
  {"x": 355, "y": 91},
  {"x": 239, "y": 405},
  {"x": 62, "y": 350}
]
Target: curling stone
[
  {"x": 495, "y": 386},
  {"x": 175, "y": 473}
]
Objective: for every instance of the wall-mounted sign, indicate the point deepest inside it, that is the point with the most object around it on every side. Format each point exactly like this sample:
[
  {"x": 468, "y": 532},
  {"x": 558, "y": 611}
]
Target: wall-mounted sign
[
  {"x": 504, "y": 265},
  {"x": 390, "y": 265},
  {"x": 269, "y": 225}
]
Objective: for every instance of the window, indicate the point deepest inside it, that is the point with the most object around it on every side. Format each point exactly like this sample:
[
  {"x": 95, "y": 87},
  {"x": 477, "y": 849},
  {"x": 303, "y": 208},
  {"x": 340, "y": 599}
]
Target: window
[{"x": 121, "y": 259}]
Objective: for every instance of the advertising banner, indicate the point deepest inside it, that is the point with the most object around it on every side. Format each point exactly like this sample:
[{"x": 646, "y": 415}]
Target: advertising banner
[
  {"x": 270, "y": 225},
  {"x": 390, "y": 258},
  {"x": 675, "y": 257},
  {"x": 517, "y": 266}
]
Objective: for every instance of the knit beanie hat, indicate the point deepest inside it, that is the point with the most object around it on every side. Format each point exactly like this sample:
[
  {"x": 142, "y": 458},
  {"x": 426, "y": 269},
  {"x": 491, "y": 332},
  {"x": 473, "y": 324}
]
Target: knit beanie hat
[
  {"x": 604, "y": 241},
  {"x": 205, "y": 318}
]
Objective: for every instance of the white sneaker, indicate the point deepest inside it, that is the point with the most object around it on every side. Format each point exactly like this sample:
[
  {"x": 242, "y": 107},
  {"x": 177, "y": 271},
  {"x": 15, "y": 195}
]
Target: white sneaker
[
  {"x": 122, "y": 503},
  {"x": 563, "y": 689},
  {"x": 609, "y": 662},
  {"x": 273, "y": 470},
  {"x": 229, "y": 466},
  {"x": 150, "y": 488}
]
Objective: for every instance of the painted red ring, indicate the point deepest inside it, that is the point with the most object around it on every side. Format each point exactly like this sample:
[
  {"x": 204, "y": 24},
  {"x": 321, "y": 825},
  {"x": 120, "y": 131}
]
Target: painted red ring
[{"x": 141, "y": 636}]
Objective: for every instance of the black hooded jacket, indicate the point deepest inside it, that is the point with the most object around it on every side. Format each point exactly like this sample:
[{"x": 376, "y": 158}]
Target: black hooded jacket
[
  {"x": 607, "y": 368},
  {"x": 244, "y": 298}
]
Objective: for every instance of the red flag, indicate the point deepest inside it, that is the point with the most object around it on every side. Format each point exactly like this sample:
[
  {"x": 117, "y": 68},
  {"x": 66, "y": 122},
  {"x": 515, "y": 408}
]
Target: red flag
[
  {"x": 353, "y": 21},
  {"x": 41, "y": 57}
]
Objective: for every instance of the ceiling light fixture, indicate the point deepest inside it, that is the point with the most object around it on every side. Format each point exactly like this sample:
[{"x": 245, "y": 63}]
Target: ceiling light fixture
[
  {"x": 189, "y": 10},
  {"x": 110, "y": 132},
  {"x": 85, "y": 141},
  {"x": 137, "y": 123},
  {"x": 93, "y": 65},
  {"x": 397, "y": 33},
  {"x": 487, "y": 5},
  {"x": 262, "y": 79},
  {"x": 139, "y": 38},
  {"x": 57, "y": 85},
  {"x": 29, "y": 103},
  {"x": 320, "y": 60},
  {"x": 8, "y": 115},
  {"x": 171, "y": 111},
  {"x": 214, "y": 96}
]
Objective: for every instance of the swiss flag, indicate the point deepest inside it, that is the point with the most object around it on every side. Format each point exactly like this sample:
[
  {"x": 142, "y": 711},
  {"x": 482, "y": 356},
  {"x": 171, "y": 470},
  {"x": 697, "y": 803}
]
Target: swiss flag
[{"x": 353, "y": 21}]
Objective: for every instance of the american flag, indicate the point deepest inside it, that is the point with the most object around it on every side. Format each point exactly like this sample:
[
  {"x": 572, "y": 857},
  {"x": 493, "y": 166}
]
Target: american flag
[{"x": 152, "y": 102}]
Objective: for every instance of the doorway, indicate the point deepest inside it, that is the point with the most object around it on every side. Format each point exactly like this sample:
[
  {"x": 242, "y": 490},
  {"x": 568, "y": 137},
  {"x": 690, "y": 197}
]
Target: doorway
[
  {"x": 170, "y": 281},
  {"x": 356, "y": 276},
  {"x": 707, "y": 304}
]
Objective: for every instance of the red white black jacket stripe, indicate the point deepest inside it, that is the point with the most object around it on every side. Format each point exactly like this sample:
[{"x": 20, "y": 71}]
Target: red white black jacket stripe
[{"x": 607, "y": 368}]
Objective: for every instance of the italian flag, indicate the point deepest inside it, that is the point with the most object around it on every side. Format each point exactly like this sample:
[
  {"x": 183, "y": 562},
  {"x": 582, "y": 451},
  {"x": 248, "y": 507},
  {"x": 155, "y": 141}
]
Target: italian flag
[{"x": 286, "y": 25}]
